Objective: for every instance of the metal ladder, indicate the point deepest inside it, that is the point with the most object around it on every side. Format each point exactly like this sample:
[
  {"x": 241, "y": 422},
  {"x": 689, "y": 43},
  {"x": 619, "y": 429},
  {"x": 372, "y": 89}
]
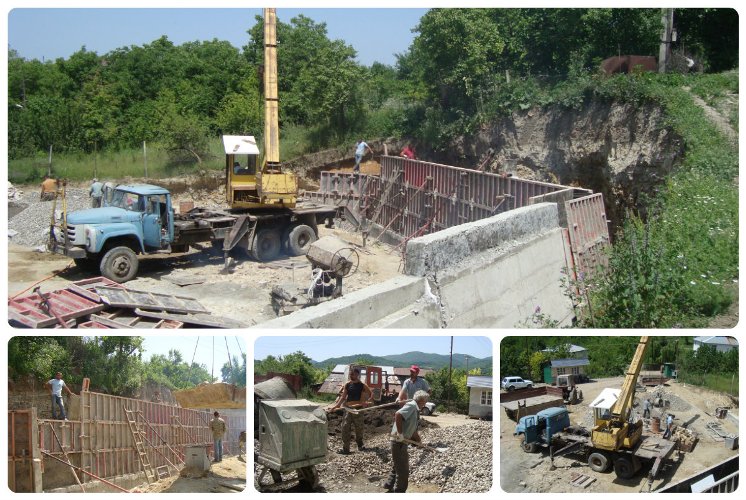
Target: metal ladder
[{"x": 138, "y": 437}]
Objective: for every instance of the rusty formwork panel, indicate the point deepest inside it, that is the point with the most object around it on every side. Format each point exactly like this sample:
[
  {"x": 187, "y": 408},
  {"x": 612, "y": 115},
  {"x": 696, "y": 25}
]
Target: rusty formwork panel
[{"x": 589, "y": 233}]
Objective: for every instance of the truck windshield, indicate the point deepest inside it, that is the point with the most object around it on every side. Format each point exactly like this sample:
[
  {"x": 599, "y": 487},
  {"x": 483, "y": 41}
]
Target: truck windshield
[{"x": 127, "y": 201}]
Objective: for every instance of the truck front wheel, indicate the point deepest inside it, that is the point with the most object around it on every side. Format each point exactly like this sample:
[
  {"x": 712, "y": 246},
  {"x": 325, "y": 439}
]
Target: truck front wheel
[
  {"x": 598, "y": 462},
  {"x": 529, "y": 447},
  {"x": 119, "y": 264},
  {"x": 267, "y": 245},
  {"x": 300, "y": 237}
]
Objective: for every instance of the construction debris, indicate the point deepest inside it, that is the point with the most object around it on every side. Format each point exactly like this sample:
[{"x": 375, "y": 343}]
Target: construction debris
[{"x": 101, "y": 303}]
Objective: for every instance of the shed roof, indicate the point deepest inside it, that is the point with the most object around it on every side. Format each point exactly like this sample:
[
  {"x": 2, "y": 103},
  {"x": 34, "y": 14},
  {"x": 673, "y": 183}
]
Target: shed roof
[
  {"x": 717, "y": 340},
  {"x": 479, "y": 381},
  {"x": 573, "y": 348},
  {"x": 568, "y": 362},
  {"x": 240, "y": 144}
]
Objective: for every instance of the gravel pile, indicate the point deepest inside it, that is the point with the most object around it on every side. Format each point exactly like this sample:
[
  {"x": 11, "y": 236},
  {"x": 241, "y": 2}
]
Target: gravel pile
[
  {"x": 31, "y": 225},
  {"x": 675, "y": 402},
  {"x": 465, "y": 467}
]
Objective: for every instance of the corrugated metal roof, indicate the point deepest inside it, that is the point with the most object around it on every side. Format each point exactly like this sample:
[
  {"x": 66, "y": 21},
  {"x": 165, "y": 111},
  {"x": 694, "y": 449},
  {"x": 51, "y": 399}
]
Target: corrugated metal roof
[
  {"x": 573, "y": 348},
  {"x": 717, "y": 340},
  {"x": 569, "y": 362},
  {"x": 606, "y": 399},
  {"x": 479, "y": 381},
  {"x": 404, "y": 372},
  {"x": 240, "y": 144}
]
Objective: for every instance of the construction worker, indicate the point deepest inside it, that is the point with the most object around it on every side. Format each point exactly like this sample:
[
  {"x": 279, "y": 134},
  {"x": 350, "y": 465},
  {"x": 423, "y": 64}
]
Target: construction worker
[
  {"x": 413, "y": 384},
  {"x": 360, "y": 148},
  {"x": 404, "y": 428},
  {"x": 96, "y": 193},
  {"x": 355, "y": 394},
  {"x": 56, "y": 385},
  {"x": 408, "y": 152},
  {"x": 646, "y": 409},
  {"x": 108, "y": 192},
  {"x": 48, "y": 188},
  {"x": 669, "y": 427},
  {"x": 218, "y": 428}
]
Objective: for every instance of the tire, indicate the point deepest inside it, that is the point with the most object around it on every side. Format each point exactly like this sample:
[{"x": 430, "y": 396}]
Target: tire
[
  {"x": 511, "y": 388},
  {"x": 266, "y": 245},
  {"x": 529, "y": 386},
  {"x": 623, "y": 468},
  {"x": 119, "y": 264},
  {"x": 530, "y": 447},
  {"x": 426, "y": 411},
  {"x": 300, "y": 237},
  {"x": 598, "y": 462}
]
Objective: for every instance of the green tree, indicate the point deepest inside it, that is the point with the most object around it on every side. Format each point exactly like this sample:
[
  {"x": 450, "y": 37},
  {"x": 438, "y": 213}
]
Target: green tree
[{"x": 235, "y": 371}]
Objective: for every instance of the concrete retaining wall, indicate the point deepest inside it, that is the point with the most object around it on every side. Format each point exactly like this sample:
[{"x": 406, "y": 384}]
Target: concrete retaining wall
[{"x": 492, "y": 273}]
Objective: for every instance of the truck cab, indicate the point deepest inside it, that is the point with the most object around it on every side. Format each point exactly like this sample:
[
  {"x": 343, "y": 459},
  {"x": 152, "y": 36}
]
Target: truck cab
[
  {"x": 538, "y": 430},
  {"x": 138, "y": 219}
]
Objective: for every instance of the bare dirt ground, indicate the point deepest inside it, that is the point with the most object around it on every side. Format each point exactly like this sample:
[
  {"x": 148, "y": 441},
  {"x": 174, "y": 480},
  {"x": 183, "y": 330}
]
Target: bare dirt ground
[
  {"x": 243, "y": 295},
  {"x": 230, "y": 471},
  {"x": 524, "y": 472}
]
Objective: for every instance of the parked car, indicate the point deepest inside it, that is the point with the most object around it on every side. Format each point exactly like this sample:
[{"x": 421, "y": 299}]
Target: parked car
[{"x": 513, "y": 383}]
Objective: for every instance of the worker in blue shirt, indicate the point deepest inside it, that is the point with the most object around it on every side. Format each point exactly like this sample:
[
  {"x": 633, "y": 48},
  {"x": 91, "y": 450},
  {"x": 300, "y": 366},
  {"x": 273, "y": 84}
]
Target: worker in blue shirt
[{"x": 359, "y": 153}]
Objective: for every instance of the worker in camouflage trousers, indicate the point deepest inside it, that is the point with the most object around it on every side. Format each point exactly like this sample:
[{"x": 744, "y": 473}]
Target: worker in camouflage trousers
[
  {"x": 218, "y": 428},
  {"x": 355, "y": 394},
  {"x": 404, "y": 428}
]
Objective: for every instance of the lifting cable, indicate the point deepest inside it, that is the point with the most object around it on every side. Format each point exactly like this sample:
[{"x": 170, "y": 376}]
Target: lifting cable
[
  {"x": 191, "y": 366},
  {"x": 230, "y": 361}
]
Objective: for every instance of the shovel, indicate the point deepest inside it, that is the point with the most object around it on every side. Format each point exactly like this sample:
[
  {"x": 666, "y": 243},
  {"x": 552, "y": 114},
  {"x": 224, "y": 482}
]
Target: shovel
[
  {"x": 424, "y": 446},
  {"x": 355, "y": 411}
]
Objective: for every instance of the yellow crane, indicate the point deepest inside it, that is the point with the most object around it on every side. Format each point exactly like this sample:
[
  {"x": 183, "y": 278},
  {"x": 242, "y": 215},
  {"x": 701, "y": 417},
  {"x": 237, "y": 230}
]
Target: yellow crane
[
  {"x": 617, "y": 433},
  {"x": 268, "y": 188}
]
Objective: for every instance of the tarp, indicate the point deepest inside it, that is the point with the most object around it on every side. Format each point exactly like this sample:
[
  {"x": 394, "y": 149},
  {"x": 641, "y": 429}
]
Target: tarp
[
  {"x": 218, "y": 395},
  {"x": 274, "y": 388}
]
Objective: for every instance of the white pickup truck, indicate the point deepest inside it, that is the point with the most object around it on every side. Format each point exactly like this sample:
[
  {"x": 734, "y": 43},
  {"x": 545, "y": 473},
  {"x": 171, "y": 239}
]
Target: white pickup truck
[{"x": 513, "y": 383}]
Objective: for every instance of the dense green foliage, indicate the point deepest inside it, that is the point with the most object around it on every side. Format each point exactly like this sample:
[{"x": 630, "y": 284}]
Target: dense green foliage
[
  {"x": 611, "y": 356},
  {"x": 296, "y": 363},
  {"x": 453, "y": 395},
  {"x": 114, "y": 364}
]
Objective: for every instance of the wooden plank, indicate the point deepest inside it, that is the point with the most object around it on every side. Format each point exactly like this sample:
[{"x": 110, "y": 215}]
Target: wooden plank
[
  {"x": 206, "y": 320},
  {"x": 187, "y": 280},
  {"x": 110, "y": 323},
  {"x": 135, "y": 299}
]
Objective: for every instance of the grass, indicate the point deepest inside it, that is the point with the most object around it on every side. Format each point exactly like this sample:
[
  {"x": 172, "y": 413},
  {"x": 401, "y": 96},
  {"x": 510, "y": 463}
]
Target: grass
[{"x": 714, "y": 381}]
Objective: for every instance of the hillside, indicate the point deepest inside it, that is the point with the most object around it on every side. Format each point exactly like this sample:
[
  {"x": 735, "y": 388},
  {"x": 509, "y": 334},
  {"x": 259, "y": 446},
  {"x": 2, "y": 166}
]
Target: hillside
[{"x": 424, "y": 360}]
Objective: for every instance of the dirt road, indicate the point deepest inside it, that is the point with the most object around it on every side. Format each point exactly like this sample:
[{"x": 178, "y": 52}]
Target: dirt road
[{"x": 524, "y": 472}]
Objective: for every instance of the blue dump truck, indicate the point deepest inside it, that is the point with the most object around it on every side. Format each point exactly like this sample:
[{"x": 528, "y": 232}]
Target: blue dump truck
[
  {"x": 551, "y": 428},
  {"x": 140, "y": 220}
]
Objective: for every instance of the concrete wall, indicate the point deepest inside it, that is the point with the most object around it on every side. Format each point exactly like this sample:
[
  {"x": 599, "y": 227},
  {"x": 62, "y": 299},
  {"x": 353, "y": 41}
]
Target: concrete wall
[
  {"x": 476, "y": 408},
  {"x": 492, "y": 273}
]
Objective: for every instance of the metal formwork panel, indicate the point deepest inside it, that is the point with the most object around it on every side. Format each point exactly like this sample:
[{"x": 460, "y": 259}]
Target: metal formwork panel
[{"x": 589, "y": 232}]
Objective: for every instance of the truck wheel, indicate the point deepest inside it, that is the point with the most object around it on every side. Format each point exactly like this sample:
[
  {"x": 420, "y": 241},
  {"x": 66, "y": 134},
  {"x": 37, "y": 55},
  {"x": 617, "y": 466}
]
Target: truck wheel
[
  {"x": 266, "y": 245},
  {"x": 623, "y": 468},
  {"x": 598, "y": 462},
  {"x": 529, "y": 447},
  {"x": 119, "y": 264},
  {"x": 425, "y": 411},
  {"x": 300, "y": 238}
]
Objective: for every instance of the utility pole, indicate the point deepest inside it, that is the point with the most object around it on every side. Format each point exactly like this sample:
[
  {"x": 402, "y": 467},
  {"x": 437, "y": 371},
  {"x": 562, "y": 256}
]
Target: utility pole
[
  {"x": 145, "y": 157},
  {"x": 450, "y": 369},
  {"x": 467, "y": 364},
  {"x": 49, "y": 164},
  {"x": 664, "y": 53}
]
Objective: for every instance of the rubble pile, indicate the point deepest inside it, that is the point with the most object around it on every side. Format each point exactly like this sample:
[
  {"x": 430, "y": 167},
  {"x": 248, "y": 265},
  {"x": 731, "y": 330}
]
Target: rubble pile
[
  {"x": 464, "y": 468},
  {"x": 687, "y": 438},
  {"x": 14, "y": 194},
  {"x": 30, "y": 227}
]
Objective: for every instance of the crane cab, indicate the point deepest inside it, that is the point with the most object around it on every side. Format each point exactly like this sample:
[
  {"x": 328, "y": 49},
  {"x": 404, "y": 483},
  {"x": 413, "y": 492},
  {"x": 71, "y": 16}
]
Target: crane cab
[{"x": 241, "y": 162}]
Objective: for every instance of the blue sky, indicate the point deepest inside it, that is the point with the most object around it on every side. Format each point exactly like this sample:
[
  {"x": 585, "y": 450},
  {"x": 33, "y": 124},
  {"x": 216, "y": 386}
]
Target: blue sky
[
  {"x": 39, "y": 33},
  {"x": 320, "y": 347},
  {"x": 161, "y": 344}
]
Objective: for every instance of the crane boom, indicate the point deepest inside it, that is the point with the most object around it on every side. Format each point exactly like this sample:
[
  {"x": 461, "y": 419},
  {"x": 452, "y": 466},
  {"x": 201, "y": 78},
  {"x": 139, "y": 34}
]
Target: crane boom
[
  {"x": 626, "y": 397},
  {"x": 271, "y": 100}
]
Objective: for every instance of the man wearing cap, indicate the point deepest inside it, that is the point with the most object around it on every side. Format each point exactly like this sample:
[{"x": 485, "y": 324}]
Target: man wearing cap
[
  {"x": 355, "y": 394},
  {"x": 403, "y": 430},
  {"x": 412, "y": 385}
]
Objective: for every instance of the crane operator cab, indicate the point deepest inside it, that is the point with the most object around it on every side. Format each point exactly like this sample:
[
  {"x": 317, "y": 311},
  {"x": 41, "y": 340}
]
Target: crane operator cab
[{"x": 241, "y": 160}]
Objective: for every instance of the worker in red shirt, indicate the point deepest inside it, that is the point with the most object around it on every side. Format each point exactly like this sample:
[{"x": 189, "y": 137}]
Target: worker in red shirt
[{"x": 408, "y": 152}]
